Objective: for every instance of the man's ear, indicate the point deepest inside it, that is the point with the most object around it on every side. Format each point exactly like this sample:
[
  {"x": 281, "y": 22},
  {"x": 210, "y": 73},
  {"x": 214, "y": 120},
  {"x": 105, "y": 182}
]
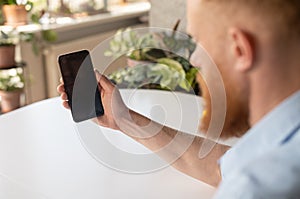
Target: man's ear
[{"x": 242, "y": 49}]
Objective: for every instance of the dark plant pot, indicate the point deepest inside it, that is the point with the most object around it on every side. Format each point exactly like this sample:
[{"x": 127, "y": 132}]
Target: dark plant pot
[
  {"x": 7, "y": 56},
  {"x": 10, "y": 100},
  {"x": 14, "y": 15}
]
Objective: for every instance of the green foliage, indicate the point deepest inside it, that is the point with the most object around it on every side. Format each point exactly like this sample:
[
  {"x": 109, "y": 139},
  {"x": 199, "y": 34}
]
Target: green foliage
[
  {"x": 38, "y": 40},
  {"x": 164, "y": 68},
  {"x": 128, "y": 41},
  {"x": 35, "y": 18},
  {"x": 166, "y": 74},
  {"x": 49, "y": 35},
  {"x": 15, "y": 2},
  {"x": 8, "y": 2},
  {"x": 7, "y": 38},
  {"x": 1, "y": 17},
  {"x": 11, "y": 80},
  {"x": 140, "y": 46},
  {"x": 28, "y": 4}
]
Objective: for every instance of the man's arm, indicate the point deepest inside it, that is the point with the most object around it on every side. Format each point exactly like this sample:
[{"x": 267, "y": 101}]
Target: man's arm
[
  {"x": 155, "y": 136},
  {"x": 188, "y": 161}
]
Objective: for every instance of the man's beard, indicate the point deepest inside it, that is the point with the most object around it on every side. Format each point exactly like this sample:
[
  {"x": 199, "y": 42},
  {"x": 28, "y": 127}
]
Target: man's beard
[{"x": 237, "y": 115}]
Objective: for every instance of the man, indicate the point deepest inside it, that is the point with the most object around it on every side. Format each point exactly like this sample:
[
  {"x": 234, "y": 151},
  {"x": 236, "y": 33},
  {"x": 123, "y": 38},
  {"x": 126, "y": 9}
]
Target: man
[{"x": 255, "y": 44}]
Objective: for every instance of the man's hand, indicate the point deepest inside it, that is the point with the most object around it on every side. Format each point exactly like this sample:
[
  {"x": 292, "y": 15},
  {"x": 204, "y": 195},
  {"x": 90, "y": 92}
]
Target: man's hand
[
  {"x": 114, "y": 107},
  {"x": 117, "y": 116}
]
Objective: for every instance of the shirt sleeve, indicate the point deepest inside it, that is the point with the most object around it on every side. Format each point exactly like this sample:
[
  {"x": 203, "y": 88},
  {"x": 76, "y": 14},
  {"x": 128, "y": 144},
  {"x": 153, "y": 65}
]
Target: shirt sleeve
[{"x": 274, "y": 175}]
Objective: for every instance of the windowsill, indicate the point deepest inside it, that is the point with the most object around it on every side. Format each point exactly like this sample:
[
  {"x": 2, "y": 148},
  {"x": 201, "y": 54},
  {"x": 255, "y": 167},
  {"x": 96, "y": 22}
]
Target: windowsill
[{"x": 65, "y": 23}]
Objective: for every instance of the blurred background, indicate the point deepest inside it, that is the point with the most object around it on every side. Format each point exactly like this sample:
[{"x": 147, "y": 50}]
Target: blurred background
[{"x": 40, "y": 30}]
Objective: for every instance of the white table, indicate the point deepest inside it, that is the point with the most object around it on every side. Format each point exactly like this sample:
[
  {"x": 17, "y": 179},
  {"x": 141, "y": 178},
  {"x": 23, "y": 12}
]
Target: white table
[{"x": 43, "y": 156}]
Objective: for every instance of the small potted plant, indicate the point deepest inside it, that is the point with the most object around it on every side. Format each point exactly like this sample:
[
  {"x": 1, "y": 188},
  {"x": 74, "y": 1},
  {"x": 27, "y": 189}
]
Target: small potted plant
[
  {"x": 15, "y": 11},
  {"x": 11, "y": 37},
  {"x": 7, "y": 49},
  {"x": 140, "y": 47},
  {"x": 134, "y": 46},
  {"x": 155, "y": 60},
  {"x": 11, "y": 87}
]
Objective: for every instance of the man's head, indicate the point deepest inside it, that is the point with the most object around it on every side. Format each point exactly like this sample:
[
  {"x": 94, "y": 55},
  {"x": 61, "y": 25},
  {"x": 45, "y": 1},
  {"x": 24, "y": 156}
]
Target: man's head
[{"x": 246, "y": 39}]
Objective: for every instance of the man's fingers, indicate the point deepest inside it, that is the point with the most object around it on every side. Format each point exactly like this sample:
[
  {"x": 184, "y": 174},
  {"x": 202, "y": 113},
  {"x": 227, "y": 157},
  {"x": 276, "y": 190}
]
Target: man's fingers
[
  {"x": 60, "y": 88},
  {"x": 64, "y": 96},
  {"x": 66, "y": 105},
  {"x": 103, "y": 81}
]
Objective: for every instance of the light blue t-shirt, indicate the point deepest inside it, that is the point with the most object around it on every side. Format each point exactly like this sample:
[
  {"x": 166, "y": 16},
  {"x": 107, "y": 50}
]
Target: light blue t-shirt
[{"x": 265, "y": 163}]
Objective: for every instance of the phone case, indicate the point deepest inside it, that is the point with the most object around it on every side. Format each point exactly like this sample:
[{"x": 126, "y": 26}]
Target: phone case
[{"x": 81, "y": 85}]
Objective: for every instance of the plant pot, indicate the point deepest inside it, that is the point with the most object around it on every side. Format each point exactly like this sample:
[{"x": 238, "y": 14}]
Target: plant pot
[
  {"x": 7, "y": 56},
  {"x": 10, "y": 100},
  {"x": 14, "y": 15}
]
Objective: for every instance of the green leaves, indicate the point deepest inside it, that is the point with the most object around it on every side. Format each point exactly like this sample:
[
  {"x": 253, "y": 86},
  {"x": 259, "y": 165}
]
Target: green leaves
[
  {"x": 127, "y": 41},
  {"x": 38, "y": 41},
  {"x": 176, "y": 67},
  {"x": 9, "y": 2},
  {"x": 167, "y": 55},
  {"x": 7, "y": 38},
  {"x": 49, "y": 35},
  {"x": 167, "y": 74},
  {"x": 17, "y": 2}
]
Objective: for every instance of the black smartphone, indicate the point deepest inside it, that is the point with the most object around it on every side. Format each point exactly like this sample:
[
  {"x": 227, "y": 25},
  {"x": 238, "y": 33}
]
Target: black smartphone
[{"x": 81, "y": 85}]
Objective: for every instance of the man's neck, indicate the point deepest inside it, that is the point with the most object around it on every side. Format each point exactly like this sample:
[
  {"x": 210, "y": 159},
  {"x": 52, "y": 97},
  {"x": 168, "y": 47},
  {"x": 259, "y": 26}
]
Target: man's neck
[{"x": 269, "y": 90}]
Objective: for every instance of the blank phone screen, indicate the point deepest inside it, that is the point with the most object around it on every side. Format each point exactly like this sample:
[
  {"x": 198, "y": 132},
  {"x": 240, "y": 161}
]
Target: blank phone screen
[{"x": 81, "y": 85}]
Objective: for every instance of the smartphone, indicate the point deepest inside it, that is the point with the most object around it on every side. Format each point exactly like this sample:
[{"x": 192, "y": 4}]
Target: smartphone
[{"x": 81, "y": 85}]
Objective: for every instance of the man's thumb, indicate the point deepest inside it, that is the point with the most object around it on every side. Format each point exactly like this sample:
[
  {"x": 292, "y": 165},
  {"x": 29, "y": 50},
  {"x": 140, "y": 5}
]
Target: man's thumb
[{"x": 103, "y": 81}]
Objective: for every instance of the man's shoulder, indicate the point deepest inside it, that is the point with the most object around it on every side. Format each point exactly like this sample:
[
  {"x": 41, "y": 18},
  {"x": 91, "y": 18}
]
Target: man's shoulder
[{"x": 273, "y": 174}]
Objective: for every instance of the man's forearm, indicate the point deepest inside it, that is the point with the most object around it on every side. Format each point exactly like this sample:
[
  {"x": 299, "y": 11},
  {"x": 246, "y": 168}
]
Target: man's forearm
[{"x": 155, "y": 137}]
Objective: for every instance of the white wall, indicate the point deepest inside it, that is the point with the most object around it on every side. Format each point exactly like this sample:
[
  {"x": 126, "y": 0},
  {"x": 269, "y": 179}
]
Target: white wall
[{"x": 165, "y": 13}]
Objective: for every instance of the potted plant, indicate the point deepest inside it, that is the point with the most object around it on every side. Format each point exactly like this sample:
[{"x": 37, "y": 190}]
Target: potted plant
[
  {"x": 7, "y": 49},
  {"x": 134, "y": 46},
  {"x": 141, "y": 47},
  {"x": 11, "y": 87},
  {"x": 15, "y": 11},
  {"x": 10, "y": 38},
  {"x": 156, "y": 60},
  {"x": 37, "y": 39}
]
